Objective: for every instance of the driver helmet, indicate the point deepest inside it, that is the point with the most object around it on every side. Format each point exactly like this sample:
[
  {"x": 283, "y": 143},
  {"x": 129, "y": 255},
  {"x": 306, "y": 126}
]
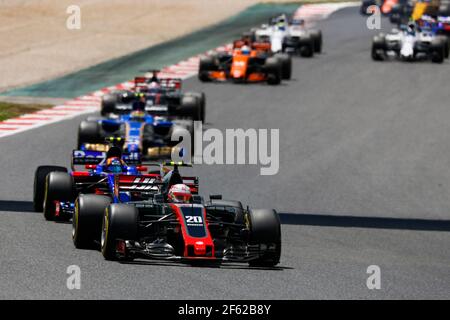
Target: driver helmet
[
  {"x": 245, "y": 50},
  {"x": 411, "y": 28},
  {"x": 179, "y": 193},
  {"x": 113, "y": 165},
  {"x": 154, "y": 87}
]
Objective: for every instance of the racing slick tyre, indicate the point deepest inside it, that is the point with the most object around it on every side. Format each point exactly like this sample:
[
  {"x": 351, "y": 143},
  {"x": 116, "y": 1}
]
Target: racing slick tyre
[
  {"x": 200, "y": 96},
  {"x": 88, "y": 132},
  {"x": 286, "y": 65},
  {"x": 273, "y": 70},
  {"x": 316, "y": 35},
  {"x": 378, "y": 45},
  {"x": 206, "y": 64},
  {"x": 437, "y": 51},
  {"x": 59, "y": 186},
  {"x": 108, "y": 104},
  {"x": 265, "y": 229},
  {"x": 120, "y": 221},
  {"x": 87, "y": 219},
  {"x": 445, "y": 44},
  {"x": 191, "y": 106},
  {"x": 239, "y": 216},
  {"x": 306, "y": 47},
  {"x": 39, "y": 185}
]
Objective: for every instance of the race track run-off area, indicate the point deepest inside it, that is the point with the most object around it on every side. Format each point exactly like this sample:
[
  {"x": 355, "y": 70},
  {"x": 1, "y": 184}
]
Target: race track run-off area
[{"x": 363, "y": 181}]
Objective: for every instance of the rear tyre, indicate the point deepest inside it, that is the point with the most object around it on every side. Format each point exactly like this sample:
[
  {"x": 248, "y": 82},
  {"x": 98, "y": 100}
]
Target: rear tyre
[
  {"x": 286, "y": 66},
  {"x": 445, "y": 44},
  {"x": 88, "y": 132},
  {"x": 265, "y": 229},
  {"x": 108, "y": 105},
  {"x": 316, "y": 35},
  {"x": 120, "y": 221},
  {"x": 437, "y": 51},
  {"x": 206, "y": 65},
  {"x": 59, "y": 186},
  {"x": 191, "y": 106},
  {"x": 307, "y": 47},
  {"x": 201, "y": 101},
  {"x": 273, "y": 71},
  {"x": 39, "y": 185},
  {"x": 239, "y": 216},
  {"x": 87, "y": 219}
]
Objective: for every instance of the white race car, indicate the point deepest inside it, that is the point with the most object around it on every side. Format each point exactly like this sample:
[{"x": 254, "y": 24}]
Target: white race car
[
  {"x": 410, "y": 43},
  {"x": 290, "y": 37}
]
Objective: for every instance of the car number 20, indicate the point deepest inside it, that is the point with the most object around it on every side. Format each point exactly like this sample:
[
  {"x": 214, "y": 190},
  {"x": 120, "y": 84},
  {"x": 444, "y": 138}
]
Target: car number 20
[{"x": 194, "y": 219}]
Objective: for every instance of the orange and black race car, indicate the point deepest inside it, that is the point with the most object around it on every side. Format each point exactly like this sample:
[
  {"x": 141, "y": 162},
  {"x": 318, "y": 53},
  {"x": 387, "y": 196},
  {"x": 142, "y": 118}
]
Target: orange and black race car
[{"x": 246, "y": 62}]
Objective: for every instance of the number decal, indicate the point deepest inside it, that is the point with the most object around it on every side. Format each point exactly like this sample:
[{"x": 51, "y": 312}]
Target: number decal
[{"x": 194, "y": 219}]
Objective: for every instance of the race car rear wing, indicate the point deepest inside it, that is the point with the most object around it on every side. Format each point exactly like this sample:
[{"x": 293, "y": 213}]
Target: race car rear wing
[
  {"x": 83, "y": 157},
  {"x": 170, "y": 84},
  {"x": 151, "y": 183},
  {"x": 141, "y": 183}
]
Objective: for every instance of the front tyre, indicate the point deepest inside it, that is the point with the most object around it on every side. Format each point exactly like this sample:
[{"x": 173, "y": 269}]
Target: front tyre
[
  {"x": 120, "y": 222},
  {"x": 87, "y": 219},
  {"x": 265, "y": 229}
]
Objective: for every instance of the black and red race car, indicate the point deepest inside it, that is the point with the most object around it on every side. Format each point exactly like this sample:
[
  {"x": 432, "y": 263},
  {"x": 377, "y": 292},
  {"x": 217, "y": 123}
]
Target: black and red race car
[{"x": 212, "y": 231}]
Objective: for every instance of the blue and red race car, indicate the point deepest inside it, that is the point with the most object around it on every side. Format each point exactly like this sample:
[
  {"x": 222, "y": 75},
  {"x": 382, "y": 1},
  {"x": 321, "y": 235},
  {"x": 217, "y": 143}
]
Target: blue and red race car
[{"x": 55, "y": 188}]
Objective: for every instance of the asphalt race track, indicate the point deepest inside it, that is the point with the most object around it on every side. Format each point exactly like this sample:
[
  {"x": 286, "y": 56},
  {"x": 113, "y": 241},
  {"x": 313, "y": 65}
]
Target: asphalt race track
[{"x": 363, "y": 180}]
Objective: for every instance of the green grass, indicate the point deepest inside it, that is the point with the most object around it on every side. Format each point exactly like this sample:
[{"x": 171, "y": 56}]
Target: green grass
[{"x": 11, "y": 110}]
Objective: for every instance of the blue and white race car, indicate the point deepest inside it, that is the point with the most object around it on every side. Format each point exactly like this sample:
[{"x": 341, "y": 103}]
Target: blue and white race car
[
  {"x": 56, "y": 188},
  {"x": 410, "y": 43},
  {"x": 140, "y": 131}
]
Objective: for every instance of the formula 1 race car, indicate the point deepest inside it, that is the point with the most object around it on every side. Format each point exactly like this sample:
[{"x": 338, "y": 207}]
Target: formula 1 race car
[
  {"x": 55, "y": 188},
  {"x": 290, "y": 36},
  {"x": 438, "y": 28},
  {"x": 141, "y": 132},
  {"x": 410, "y": 44},
  {"x": 214, "y": 231},
  {"x": 158, "y": 96},
  {"x": 439, "y": 20},
  {"x": 247, "y": 62}
]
